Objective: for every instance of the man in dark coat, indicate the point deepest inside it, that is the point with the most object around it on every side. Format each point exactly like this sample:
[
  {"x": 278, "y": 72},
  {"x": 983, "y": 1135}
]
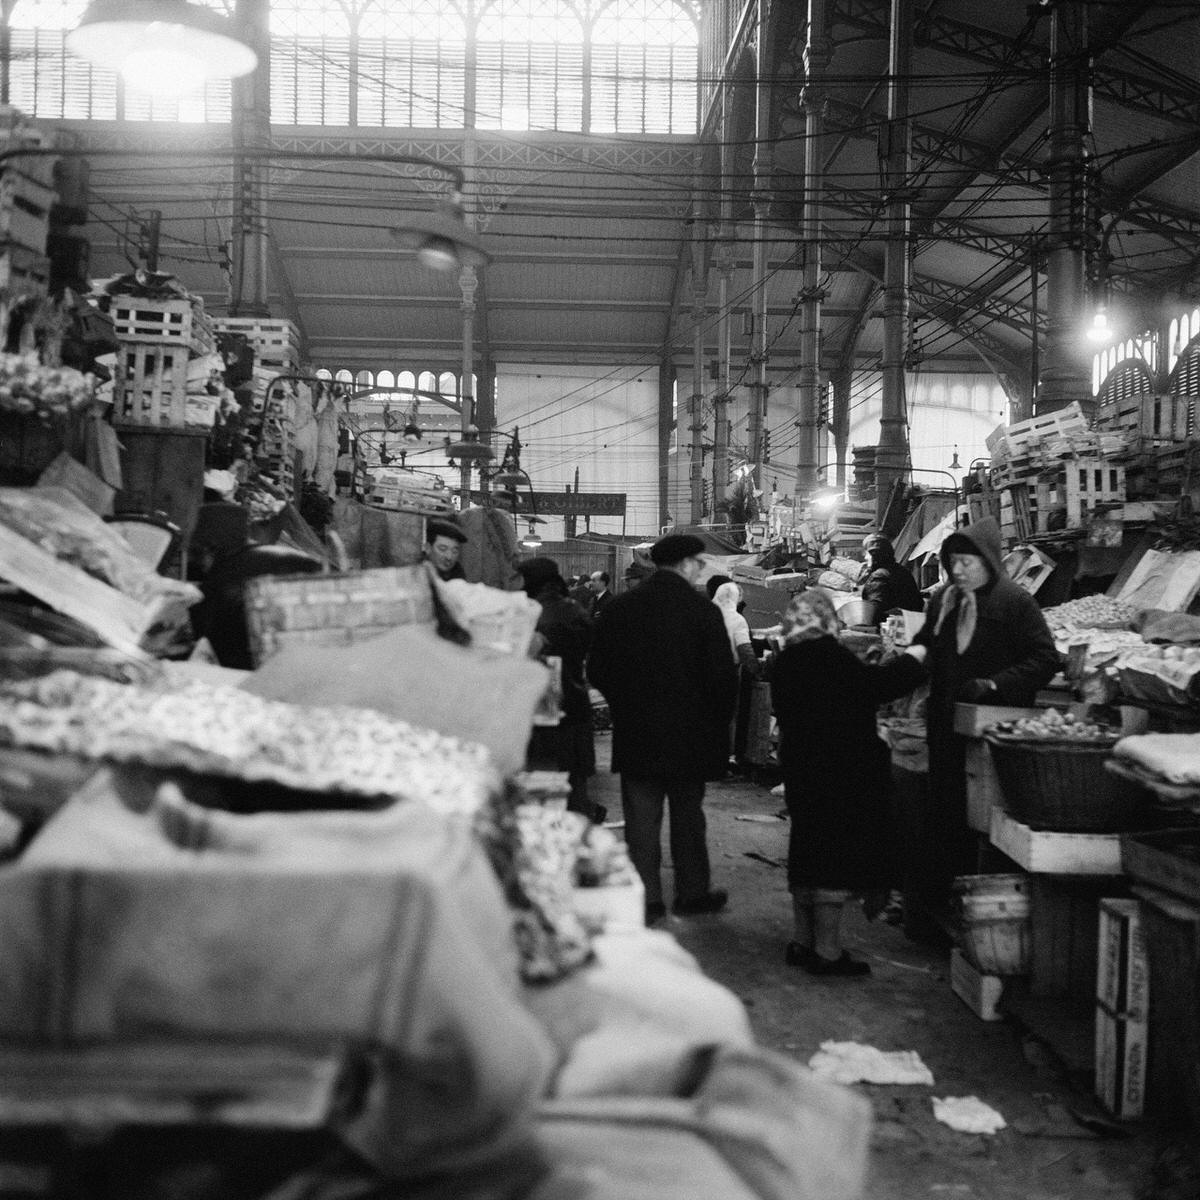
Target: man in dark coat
[
  {"x": 988, "y": 644},
  {"x": 601, "y": 596},
  {"x": 888, "y": 584},
  {"x": 661, "y": 659}
]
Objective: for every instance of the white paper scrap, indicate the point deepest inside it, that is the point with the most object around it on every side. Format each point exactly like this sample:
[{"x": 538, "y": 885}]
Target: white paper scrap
[
  {"x": 967, "y": 1114},
  {"x": 852, "y": 1062}
]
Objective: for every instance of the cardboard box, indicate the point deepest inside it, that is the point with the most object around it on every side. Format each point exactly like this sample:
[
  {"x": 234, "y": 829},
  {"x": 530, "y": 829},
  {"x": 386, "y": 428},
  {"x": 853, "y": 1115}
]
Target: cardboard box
[
  {"x": 1120, "y": 1063},
  {"x": 1122, "y": 968},
  {"x": 979, "y": 992}
]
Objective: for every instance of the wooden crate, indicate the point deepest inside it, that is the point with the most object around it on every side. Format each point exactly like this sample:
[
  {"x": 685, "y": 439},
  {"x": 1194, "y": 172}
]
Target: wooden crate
[
  {"x": 1065, "y": 945},
  {"x": 1023, "y": 436},
  {"x": 984, "y": 504},
  {"x": 276, "y": 342},
  {"x": 150, "y": 389},
  {"x": 331, "y": 610},
  {"x": 25, "y": 205},
  {"x": 1091, "y": 483},
  {"x": 1156, "y": 417},
  {"x": 163, "y": 322},
  {"x": 1016, "y": 511}
]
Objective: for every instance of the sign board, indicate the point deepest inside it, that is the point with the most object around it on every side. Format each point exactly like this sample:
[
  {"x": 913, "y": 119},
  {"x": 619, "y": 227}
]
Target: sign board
[{"x": 578, "y": 504}]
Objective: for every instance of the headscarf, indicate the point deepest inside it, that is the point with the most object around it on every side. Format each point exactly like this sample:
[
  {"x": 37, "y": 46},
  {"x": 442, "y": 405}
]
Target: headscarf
[
  {"x": 810, "y": 615},
  {"x": 960, "y": 601},
  {"x": 726, "y": 598}
]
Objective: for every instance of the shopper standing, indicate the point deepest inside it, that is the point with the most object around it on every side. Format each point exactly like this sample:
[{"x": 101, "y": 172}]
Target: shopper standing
[
  {"x": 988, "y": 644},
  {"x": 836, "y": 777},
  {"x": 661, "y": 658},
  {"x": 564, "y": 632},
  {"x": 601, "y": 596}
]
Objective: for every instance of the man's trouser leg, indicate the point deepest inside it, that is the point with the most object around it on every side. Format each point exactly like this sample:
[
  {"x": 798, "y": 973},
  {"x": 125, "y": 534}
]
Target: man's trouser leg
[
  {"x": 642, "y": 805},
  {"x": 689, "y": 847}
]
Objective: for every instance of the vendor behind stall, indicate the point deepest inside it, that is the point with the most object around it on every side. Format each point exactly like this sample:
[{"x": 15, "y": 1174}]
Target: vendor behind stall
[
  {"x": 988, "y": 644},
  {"x": 443, "y": 547},
  {"x": 888, "y": 584}
]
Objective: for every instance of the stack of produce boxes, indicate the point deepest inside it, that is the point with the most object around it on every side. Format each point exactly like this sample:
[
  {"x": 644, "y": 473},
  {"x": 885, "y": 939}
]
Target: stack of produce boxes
[{"x": 1122, "y": 1008}]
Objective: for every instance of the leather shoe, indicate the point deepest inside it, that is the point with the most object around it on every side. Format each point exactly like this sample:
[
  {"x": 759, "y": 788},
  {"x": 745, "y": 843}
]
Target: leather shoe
[
  {"x": 710, "y": 902},
  {"x": 655, "y": 911}
]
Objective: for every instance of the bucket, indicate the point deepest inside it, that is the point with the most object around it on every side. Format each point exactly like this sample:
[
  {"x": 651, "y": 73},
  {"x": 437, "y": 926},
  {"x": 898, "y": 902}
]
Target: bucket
[{"x": 995, "y": 922}]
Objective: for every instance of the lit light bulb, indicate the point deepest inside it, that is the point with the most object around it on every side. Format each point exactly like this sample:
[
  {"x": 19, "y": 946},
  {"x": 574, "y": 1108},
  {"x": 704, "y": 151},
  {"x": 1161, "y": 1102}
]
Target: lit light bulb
[
  {"x": 1099, "y": 330},
  {"x": 438, "y": 254},
  {"x": 162, "y": 70}
]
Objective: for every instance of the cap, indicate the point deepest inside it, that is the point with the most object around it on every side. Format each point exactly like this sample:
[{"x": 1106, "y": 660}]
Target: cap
[
  {"x": 536, "y": 573},
  {"x": 674, "y": 548},
  {"x": 437, "y": 529}
]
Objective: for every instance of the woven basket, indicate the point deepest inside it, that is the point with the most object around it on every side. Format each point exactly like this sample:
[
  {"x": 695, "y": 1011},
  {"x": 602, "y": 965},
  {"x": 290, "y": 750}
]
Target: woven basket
[{"x": 1062, "y": 784}]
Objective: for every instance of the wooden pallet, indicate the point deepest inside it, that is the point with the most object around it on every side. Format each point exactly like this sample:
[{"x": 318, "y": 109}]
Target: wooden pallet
[
  {"x": 1156, "y": 417},
  {"x": 1016, "y": 511},
  {"x": 276, "y": 342}
]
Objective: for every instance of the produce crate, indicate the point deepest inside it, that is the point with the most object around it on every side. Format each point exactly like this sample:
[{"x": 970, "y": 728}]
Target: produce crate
[
  {"x": 1153, "y": 417},
  {"x": 276, "y": 342},
  {"x": 1173, "y": 464},
  {"x": 1166, "y": 859},
  {"x": 163, "y": 322},
  {"x": 150, "y": 387},
  {"x": 25, "y": 210},
  {"x": 1023, "y": 435},
  {"x": 327, "y": 610},
  {"x": 1075, "y": 489},
  {"x": 1016, "y": 512}
]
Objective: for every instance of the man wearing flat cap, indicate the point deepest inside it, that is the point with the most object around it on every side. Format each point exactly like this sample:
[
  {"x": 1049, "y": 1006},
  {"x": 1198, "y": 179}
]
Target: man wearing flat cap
[
  {"x": 661, "y": 659},
  {"x": 443, "y": 545}
]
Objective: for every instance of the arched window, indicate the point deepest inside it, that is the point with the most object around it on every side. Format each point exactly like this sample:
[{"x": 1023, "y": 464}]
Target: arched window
[
  {"x": 385, "y": 379},
  {"x": 406, "y": 379},
  {"x": 530, "y": 66},
  {"x": 310, "y": 62},
  {"x": 427, "y": 381},
  {"x": 344, "y": 376},
  {"x": 448, "y": 383},
  {"x": 411, "y": 64},
  {"x": 364, "y": 379},
  {"x": 644, "y": 65}
]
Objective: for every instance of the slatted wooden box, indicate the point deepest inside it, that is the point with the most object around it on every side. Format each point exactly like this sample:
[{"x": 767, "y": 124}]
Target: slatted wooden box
[
  {"x": 334, "y": 610},
  {"x": 150, "y": 388},
  {"x": 276, "y": 342},
  {"x": 181, "y": 321}
]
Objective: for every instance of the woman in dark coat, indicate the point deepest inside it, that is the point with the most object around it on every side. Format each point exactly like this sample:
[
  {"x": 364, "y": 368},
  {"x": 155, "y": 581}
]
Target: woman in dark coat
[
  {"x": 564, "y": 632},
  {"x": 988, "y": 644},
  {"x": 888, "y": 584},
  {"x": 836, "y": 775}
]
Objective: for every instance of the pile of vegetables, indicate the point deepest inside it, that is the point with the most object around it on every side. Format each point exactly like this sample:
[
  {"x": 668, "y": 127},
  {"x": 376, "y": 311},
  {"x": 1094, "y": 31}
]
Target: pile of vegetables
[
  {"x": 1055, "y": 726},
  {"x": 1090, "y": 612}
]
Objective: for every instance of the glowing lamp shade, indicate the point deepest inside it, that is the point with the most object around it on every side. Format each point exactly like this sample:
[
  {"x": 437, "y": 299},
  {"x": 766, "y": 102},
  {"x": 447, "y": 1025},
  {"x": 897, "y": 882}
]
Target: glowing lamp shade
[
  {"x": 531, "y": 541},
  {"x": 1099, "y": 331},
  {"x": 166, "y": 47}
]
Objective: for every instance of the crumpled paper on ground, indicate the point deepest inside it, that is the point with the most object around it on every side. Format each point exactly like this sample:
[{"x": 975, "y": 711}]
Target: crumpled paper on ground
[
  {"x": 852, "y": 1062},
  {"x": 967, "y": 1114}
]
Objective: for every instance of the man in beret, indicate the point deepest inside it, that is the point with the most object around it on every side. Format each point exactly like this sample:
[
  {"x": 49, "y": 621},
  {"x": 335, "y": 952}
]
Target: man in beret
[
  {"x": 443, "y": 545},
  {"x": 661, "y": 659}
]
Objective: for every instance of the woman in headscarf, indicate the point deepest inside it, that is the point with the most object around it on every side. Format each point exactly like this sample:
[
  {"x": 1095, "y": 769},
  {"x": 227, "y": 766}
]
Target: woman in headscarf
[
  {"x": 988, "y": 644},
  {"x": 836, "y": 775},
  {"x": 728, "y": 599}
]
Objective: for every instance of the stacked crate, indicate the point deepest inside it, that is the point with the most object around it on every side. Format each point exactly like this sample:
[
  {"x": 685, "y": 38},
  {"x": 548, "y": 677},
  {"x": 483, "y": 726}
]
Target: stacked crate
[
  {"x": 165, "y": 344},
  {"x": 1052, "y": 472},
  {"x": 26, "y": 196},
  {"x": 1158, "y": 435},
  {"x": 277, "y": 351}
]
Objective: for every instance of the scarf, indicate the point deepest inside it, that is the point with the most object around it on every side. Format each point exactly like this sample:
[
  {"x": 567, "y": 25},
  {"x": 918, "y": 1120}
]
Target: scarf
[
  {"x": 966, "y": 606},
  {"x": 810, "y": 615}
]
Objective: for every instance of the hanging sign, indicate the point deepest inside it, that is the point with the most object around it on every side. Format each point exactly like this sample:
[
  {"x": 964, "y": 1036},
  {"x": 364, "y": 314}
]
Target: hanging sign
[{"x": 577, "y": 504}]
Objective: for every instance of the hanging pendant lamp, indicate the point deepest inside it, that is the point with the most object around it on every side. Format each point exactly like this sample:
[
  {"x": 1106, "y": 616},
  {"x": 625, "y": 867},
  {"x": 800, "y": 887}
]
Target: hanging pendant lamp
[
  {"x": 441, "y": 238},
  {"x": 167, "y": 47}
]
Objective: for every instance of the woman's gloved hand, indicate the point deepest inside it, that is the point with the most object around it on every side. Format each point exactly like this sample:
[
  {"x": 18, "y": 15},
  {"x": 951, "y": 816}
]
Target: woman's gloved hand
[{"x": 977, "y": 691}]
